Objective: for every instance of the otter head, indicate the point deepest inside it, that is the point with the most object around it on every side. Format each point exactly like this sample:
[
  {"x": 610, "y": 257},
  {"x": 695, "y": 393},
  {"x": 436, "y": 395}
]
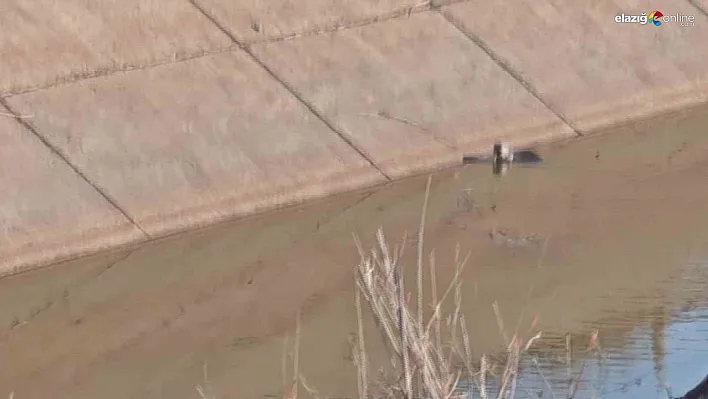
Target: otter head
[{"x": 497, "y": 152}]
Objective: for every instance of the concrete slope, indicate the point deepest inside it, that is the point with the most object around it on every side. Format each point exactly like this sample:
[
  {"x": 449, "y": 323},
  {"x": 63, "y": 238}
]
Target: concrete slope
[{"x": 162, "y": 116}]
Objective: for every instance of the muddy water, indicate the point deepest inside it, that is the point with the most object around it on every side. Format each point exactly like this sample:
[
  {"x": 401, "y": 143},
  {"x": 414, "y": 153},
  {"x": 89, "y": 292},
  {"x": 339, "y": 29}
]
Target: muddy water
[{"x": 609, "y": 233}]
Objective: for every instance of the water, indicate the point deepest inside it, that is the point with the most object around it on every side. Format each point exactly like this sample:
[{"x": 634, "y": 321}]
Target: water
[
  {"x": 663, "y": 351},
  {"x": 663, "y": 354},
  {"x": 607, "y": 234}
]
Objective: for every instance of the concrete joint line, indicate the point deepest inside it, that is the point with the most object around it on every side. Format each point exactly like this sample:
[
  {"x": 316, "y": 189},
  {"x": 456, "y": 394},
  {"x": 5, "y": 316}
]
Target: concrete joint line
[
  {"x": 506, "y": 66},
  {"x": 27, "y": 125},
  {"x": 405, "y": 12},
  {"x": 399, "y": 13},
  {"x": 698, "y": 7},
  {"x": 310, "y": 107},
  {"x": 99, "y": 73}
]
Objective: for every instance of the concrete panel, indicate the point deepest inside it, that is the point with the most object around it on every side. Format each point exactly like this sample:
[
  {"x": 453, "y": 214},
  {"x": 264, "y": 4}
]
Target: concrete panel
[
  {"x": 702, "y": 5},
  {"x": 252, "y": 20},
  {"x": 188, "y": 144},
  {"x": 414, "y": 92},
  {"x": 594, "y": 70},
  {"x": 42, "y": 43},
  {"x": 47, "y": 212}
]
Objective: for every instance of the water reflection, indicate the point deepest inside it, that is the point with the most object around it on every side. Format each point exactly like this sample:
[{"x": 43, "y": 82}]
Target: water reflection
[{"x": 665, "y": 354}]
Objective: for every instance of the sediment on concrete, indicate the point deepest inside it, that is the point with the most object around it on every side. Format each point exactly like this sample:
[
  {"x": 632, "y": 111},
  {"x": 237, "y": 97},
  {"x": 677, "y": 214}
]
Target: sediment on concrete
[{"x": 208, "y": 110}]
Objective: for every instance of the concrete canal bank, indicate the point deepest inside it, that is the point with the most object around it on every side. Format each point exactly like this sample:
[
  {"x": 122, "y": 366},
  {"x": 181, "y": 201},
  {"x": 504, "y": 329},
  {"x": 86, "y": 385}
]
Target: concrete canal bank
[
  {"x": 613, "y": 232},
  {"x": 126, "y": 121}
]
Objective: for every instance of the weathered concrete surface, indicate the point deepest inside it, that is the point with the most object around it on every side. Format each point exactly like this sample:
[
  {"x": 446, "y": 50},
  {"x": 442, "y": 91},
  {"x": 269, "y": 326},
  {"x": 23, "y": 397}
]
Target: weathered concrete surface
[
  {"x": 593, "y": 70},
  {"x": 193, "y": 142},
  {"x": 414, "y": 92},
  {"x": 46, "y": 210},
  {"x": 211, "y": 138},
  {"x": 702, "y": 4},
  {"x": 254, "y": 20},
  {"x": 42, "y": 43}
]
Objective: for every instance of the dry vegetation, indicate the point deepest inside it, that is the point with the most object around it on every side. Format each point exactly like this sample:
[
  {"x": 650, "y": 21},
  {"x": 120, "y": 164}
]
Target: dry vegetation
[{"x": 429, "y": 357}]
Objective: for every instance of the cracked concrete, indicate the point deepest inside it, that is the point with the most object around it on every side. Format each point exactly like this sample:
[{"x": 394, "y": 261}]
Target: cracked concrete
[{"x": 253, "y": 21}]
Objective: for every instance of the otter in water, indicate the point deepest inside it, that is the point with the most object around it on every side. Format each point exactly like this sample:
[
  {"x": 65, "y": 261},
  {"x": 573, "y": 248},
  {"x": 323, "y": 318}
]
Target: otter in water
[
  {"x": 502, "y": 153},
  {"x": 502, "y": 157}
]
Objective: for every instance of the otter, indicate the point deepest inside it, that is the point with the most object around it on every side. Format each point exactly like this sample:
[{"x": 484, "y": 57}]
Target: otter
[{"x": 502, "y": 157}]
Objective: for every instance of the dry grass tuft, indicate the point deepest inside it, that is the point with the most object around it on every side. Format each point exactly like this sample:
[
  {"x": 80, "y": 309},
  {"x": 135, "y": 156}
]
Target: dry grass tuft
[
  {"x": 429, "y": 358},
  {"x": 428, "y": 364}
]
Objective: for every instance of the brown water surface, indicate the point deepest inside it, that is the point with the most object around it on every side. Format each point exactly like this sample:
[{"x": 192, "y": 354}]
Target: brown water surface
[{"x": 609, "y": 233}]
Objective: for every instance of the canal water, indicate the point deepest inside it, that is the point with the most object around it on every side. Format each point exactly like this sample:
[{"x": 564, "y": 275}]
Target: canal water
[
  {"x": 662, "y": 355},
  {"x": 609, "y": 234}
]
